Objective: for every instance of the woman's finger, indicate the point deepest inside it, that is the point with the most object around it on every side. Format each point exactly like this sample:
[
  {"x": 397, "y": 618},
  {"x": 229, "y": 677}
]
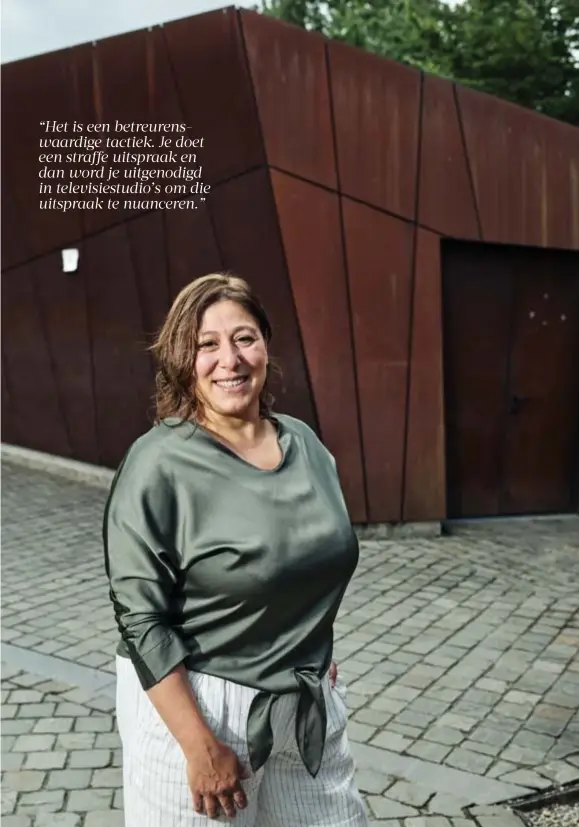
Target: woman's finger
[
  {"x": 211, "y": 806},
  {"x": 227, "y": 805},
  {"x": 333, "y": 674},
  {"x": 240, "y": 799},
  {"x": 198, "y": 805}
]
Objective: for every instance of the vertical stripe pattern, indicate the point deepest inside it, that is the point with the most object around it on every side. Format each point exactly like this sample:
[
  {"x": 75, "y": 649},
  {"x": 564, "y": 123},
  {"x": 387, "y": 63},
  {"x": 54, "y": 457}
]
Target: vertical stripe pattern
[{"x": 281, "y": 794}]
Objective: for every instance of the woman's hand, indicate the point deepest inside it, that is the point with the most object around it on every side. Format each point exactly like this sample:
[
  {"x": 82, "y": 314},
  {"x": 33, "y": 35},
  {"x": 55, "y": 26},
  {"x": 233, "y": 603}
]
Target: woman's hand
[
  {"x": 214, "y": 773},
  {"x": 333, "y": 674}
]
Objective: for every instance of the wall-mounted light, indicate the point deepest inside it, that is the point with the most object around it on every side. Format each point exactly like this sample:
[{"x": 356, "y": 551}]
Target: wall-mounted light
[{"x": 70, "y": 260}]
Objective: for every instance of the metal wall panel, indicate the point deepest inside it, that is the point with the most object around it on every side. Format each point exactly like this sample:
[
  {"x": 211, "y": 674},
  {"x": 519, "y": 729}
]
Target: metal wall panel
[
  {"x": 121, "y": 76},
  {"x": 27, "y": 361},
  {"x": 446, "y": 202},
  {"x": 288, "y": 64},
  {"x": 15, "y": 247},
  {"x": 379, "y": 257},
  {"x": 376, "y": 105},
  {"x": 192, "y": 248},
  {"x": 311, "y": 231},
  {"x": 249, "y": 239},
  {"x": 424, "y": 488},
  {"x": 214, "y": 87},
  {"x": 34, "y": 90},
  {"x": 122, "y": 378},
  {"x": 147, "y": 247},
  {"x": 63, "y": 304},
  {"x": 520, "y": 202}
]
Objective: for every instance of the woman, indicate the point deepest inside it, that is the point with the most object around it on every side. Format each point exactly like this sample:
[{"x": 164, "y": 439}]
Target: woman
[{"x": 228, "y": 550}]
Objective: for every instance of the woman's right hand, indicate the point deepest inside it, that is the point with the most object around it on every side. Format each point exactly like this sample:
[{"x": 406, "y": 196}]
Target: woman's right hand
[{"x": 214, "y": 773}]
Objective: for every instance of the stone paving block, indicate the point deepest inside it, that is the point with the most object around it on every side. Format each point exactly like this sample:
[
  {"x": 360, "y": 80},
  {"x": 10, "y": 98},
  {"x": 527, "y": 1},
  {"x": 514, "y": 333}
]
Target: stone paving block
[
  {"x": 118, "y": 802},
  {"x": 36, "y": 710},
  {"x": 384, "y": 808},
  {"x": 76, "y": 740},
  {"x": 428, "y": 706},
  {"x": 373, "y": 782},
  {"x": 360, "y": 732},
  {"x": 483, "y": 749},
  {"x": 69, "y": 779},
  {"x": 403, "y": 729},
  {"x": 34, "y": 743},
  {"x": 526, "y": 778},
  {"x": 107, "y": 778},
  {"x": 522, "y": 755},
  {"x": 81, "y": 801},
  {"x": 8, "y": 711},
  {"x": 16, "y": 726},
  {"x": 9, "y": 798},
  {"x": 420, "y": 720},
  {"x": 16, "y": 821},
  {"x": 107, "y": 818},
  {"x": 70, "y": 710},
  {"x": 371, "y": 717},
  {"x": 108, "y": 740},
  {"x": 90, "y": 759},
  {"x": 559, "y": 771},
  {"x": 411, "y": 794},
  {"x": 94, "y": 724},
  {"x": 444, "y": 734},
  {"x": 448, "y": 805},
  {"x": 453, "y": 720},
  {"x": 45, "y": 760},
  {"x": 500, "y": 768},
  {"x": 464, "y": 759},
  {"x": 391, "y": 741},
  {"x": 25, "y": 696},
  {"x": 58, "y": 820},
  {"x": 390, "y": 706},
  {"x": 53, "y": 725},
  {"x": 430, "y": 821},
  {"x": 429, "y": 751},
  {"x": 23, "y": 780},
  {"x": 45, "y": 801}
]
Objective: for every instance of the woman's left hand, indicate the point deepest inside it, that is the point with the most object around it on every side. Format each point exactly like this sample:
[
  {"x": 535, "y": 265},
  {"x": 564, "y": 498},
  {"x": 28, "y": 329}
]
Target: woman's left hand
[{"x": 333, "y": 674}]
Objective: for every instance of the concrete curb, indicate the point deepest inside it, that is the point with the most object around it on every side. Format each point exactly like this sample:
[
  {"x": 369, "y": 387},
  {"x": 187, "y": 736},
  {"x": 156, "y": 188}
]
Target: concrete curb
[
  {"x": 100, "y": 477},
  {"x": 69, "y": 468}
]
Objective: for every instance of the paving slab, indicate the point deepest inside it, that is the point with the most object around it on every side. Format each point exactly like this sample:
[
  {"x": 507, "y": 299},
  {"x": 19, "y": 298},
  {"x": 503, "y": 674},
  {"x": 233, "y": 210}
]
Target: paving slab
[{"x": 460, "y": 653}]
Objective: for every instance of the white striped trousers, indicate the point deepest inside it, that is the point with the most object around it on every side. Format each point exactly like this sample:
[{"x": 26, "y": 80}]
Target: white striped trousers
[{"x": 281, "y": 794}]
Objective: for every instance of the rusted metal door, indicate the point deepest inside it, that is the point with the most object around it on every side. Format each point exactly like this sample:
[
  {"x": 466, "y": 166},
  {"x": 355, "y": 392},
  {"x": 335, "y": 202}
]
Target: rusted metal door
[{"x": 511, "y": 347}]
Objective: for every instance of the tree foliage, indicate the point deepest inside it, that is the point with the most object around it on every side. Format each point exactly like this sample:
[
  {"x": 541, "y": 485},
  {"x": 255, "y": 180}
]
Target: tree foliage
[{"x": 526, "y": 51}]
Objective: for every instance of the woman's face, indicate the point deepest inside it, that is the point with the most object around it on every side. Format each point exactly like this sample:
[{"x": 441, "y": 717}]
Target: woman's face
[{"x": 231, "y": 361}]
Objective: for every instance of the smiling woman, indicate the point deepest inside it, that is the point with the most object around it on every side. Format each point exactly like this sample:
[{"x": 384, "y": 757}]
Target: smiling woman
[{"x": 228, "y": 549}]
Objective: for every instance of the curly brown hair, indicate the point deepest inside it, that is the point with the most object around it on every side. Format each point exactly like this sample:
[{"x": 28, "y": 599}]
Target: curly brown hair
[{"x": 175, "y": 348}]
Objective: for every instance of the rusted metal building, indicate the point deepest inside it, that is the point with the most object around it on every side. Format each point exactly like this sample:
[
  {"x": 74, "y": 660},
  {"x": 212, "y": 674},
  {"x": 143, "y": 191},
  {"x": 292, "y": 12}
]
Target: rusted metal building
[{"x": 416, "y": 244}]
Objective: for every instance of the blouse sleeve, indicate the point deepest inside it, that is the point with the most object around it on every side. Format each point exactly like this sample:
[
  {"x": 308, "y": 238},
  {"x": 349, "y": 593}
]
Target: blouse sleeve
[{"x": 142, "y": 566}]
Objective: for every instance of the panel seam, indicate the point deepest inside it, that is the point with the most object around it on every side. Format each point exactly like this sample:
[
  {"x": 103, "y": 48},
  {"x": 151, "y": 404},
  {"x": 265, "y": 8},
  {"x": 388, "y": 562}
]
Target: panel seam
[
  {"x": 409, "y": 350},
  {"x": 268, "y": 169},
  {"x": 467, "y": 160},
  {"x": 347, "y": 282}
]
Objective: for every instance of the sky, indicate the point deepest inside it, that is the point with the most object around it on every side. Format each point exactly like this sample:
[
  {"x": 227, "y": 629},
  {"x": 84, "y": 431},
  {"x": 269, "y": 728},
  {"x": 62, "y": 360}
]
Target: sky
[{"x": 31, "y": 27}]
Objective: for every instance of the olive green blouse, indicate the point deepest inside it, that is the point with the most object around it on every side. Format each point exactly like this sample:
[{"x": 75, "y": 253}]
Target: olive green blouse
[{"x": 234, "y": 571}]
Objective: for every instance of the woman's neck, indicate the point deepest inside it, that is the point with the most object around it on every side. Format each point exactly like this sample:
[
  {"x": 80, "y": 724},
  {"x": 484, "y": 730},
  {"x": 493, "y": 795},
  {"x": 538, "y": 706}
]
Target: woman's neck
[{"x": 236, "y": 430}]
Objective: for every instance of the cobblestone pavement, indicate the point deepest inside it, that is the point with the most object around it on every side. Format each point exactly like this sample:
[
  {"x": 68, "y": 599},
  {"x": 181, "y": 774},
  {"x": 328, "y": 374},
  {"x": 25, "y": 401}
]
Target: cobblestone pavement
[{"x": 461, "y": 656}]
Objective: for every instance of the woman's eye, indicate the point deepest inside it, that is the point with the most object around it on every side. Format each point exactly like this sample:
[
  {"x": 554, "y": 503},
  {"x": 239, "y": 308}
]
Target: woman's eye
[
  {"x": 205, "y": 345},
  {"x": 246, "y": 339}
]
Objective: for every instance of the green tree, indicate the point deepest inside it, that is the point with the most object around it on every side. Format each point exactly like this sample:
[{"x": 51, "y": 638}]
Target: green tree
[{"x": 526, "y": 51}]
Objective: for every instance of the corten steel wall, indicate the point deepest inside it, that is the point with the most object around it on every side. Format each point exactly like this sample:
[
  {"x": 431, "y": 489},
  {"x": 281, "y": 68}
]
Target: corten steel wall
[{"x": 334, "y": 175}]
